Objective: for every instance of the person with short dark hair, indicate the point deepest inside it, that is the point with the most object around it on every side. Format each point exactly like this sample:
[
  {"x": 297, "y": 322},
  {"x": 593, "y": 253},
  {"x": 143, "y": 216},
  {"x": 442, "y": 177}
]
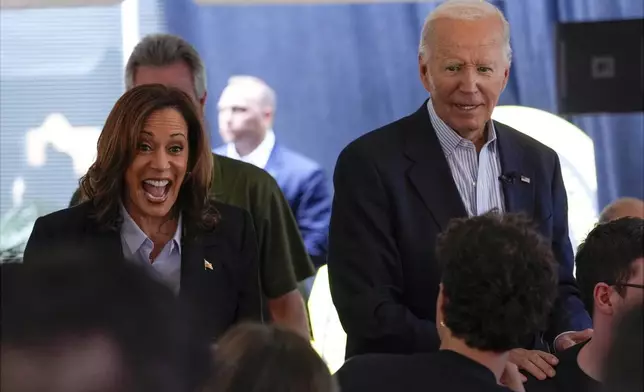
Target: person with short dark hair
[
  {"x": 73, "y": 324},
  {"x": 148, "y": 201},
  {"x": 610, "y": 273},
  {"x": 498, "y": 286},
  {"x": 257, "y": 358},
  {"x": 624, "y": 365}
]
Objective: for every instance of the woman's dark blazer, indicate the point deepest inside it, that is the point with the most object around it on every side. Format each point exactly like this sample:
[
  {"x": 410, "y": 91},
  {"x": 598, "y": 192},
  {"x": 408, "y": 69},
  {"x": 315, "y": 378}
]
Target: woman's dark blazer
[{"x": 219, "y": 268}]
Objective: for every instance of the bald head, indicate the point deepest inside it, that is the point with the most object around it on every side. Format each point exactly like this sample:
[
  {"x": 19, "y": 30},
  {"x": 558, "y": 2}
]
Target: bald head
[
  {"x": 253, "y": 88},
  {"x": 246, "y": 110},
  {"x": 620, "y": 208}
]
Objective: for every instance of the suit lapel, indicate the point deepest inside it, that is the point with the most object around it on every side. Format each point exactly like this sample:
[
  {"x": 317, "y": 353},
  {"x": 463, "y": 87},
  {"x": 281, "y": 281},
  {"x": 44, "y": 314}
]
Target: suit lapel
[
  {"x": 429, "y": 173},
  {"x": 106, "y": 243},
  {"x": 207, "y": 284},
  {"x": 110, "y": 245},
  {"x": 519, "y": 191},
  {"x": 274, "y": 163},
  {"x": 193, "y": 293},
  {"x": 192, "y": 269}
]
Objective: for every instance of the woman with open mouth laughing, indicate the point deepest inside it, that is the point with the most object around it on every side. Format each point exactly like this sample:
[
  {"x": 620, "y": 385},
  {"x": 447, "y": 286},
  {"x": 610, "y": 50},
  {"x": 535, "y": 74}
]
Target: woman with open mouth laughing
[{"x": 147, "y": 202}]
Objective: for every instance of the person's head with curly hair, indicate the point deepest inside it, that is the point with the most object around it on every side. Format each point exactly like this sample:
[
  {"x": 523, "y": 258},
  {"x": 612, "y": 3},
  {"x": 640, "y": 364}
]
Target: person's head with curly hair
[{"x": 498, "y": 284}]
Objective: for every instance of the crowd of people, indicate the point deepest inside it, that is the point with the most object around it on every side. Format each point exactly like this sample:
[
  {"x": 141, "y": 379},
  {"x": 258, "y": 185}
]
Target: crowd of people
[{"x": 179, "y": 268}]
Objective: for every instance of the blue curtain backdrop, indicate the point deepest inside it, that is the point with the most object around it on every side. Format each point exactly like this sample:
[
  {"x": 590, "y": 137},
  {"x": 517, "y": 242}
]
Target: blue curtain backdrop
[{"x": 343, "y": 70}]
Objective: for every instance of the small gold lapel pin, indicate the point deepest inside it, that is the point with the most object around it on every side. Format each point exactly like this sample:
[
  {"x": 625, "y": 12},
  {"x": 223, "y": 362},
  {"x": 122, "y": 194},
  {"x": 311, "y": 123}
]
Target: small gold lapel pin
[{"x": 207, "y": 265}]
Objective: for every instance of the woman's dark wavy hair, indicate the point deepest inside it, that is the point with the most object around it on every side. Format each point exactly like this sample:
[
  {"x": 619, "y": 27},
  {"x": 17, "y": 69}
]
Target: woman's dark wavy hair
[
  {"x": 499, "y": 280},
  {"x": 104, "y": 182}
]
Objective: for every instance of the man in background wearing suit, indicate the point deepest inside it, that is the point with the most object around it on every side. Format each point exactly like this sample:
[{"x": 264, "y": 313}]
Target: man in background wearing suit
[
  {"x": 397, "y": 187},
  {"x": 246, "y": 113}
]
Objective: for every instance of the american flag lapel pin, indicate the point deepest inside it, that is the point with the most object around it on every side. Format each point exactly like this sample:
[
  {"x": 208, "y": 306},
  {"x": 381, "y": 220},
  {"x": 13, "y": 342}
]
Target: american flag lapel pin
[
  {"x": 525, "y": 179},
  {"x": 207, "y": 265}
]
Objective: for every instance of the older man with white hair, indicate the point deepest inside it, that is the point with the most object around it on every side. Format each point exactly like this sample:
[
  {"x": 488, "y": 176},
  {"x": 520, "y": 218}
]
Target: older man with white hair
[{"x": 398, "y": 187}]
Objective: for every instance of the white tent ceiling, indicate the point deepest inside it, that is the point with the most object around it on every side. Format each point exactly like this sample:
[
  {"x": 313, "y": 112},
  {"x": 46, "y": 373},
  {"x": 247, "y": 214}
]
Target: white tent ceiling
[
  {"x": 53, "y": 3},
  {"x": 78, "y": 3}
]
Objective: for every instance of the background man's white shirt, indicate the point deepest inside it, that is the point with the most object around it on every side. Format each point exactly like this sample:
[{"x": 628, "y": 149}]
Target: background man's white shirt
[{"x": 259, "y": 156}]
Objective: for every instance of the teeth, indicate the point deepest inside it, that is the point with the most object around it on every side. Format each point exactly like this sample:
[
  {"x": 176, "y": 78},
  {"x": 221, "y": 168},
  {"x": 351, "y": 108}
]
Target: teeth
[
  {"x": 155, "y": 198},
  {"x": 158, "y": 183},
  {"x": 466, "y": 107}
]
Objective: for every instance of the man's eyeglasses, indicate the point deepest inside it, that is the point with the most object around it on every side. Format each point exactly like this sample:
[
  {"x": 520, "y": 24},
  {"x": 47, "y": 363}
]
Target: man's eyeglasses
[{"x": 620, "y": 284}]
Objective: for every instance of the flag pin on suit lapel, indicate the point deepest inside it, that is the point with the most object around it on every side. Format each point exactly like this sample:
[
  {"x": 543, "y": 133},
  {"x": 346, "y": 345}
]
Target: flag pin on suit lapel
[{"x": 207, "y": 265}]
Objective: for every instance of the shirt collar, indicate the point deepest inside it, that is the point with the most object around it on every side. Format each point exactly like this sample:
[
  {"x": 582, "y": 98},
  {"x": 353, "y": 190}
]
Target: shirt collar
[
  {"x": 449, "y": 138},
  {"x": 134, "y": 237},
  {"x": 260, "y": 155}
]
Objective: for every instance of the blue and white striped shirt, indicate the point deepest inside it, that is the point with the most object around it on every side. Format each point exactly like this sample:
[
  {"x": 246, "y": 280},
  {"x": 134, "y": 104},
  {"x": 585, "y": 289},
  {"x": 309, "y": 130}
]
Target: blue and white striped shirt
[{"x": 476, "y": 175}]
